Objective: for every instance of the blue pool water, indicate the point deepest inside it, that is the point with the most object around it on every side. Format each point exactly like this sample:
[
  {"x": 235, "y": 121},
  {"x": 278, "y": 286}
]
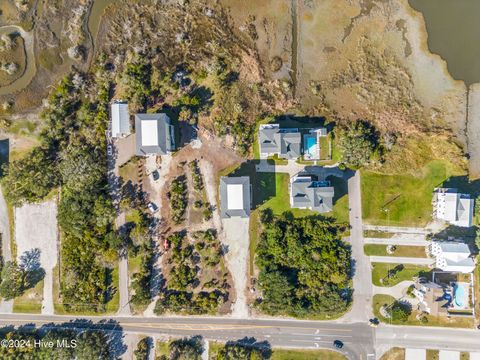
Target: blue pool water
[
  {"x": 311, "y": 143},
  {"x": 459, "y": 295}
]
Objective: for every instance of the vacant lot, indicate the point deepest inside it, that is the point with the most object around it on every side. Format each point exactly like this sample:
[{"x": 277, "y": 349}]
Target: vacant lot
[
  {"x": 402, "y": 200},
  {"x": 36, "y": 228},
  {"x": 400, "y": 251},
  {"x": 398, "y": 273}
]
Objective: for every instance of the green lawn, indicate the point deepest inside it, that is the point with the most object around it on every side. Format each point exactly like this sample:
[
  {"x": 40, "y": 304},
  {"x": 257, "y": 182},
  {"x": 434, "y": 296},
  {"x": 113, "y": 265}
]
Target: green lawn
[
  {"x": 280, "y": 354},
  {"x": 380, "y": 271},
  {"x": 377, "y": 234},
  {"x": 31, "y": 300},
  {"x": 324, "y": 147},
  {"x": 161, "y": 348},
  {"x": 284, "y": 354},
  {"x": 112, "y": 305},
  {"x": 402, "y": 200},
  {"x": 401, "y": 251},
  {"x": 443, "y": 321}
]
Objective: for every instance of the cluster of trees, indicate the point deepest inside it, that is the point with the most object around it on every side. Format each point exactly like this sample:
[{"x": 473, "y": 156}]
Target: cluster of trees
[
  {"x": 245, "y": 349},
  {"x": 179, "y": 295},
  {"x": 141, "y": 282},
  {"x": 178, "y": 199},
  {"x": 72, "y": 153},
  {"x": 360, "y": 144},
  {"x": 185, "y": 349},
  {"x": 68, "y": 344},
  {"x": 304, "y": 267},
  {"x": 196, "y": 175}
]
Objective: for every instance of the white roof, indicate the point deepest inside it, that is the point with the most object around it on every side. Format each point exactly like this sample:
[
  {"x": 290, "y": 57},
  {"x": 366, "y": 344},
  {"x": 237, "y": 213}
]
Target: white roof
[
  {"x": 415, "y": 354},
  {"x": 149, "y": 133},
  {"x": 475, "y": 356},
  {"x": 235, "y": 196},
  {"x": 120, "y": 119},
  {"x": 448, "y": 355}
]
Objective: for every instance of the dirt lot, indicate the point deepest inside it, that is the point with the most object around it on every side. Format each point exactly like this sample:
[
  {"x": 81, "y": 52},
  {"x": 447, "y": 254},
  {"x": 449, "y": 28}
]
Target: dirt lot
[{"x": 36, "y": 228}]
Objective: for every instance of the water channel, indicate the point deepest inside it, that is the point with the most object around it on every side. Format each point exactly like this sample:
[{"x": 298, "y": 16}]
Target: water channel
[{"x": 453, "y": 28}]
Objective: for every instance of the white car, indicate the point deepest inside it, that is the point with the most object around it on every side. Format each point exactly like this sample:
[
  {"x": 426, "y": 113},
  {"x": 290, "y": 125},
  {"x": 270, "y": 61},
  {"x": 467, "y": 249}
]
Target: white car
[{"x": 152, "y": 207}]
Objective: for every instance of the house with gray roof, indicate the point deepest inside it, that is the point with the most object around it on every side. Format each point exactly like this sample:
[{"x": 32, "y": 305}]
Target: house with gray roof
[
  {"x": 119, "y": 119},
  {"x": 307, "y": 193},
  {"x": 154, "y": 134},
  {"x": 285, "y": 143},
  {"x": 235, "y": 194}
]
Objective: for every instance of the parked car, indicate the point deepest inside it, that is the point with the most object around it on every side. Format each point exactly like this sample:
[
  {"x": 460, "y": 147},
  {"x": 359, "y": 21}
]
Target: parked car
[
  {"x": 109, "y": 150},
  {"x": 152, "y": 207},
  {"x": 155, "y": 175},
  {"x": 338, "y": 344}
]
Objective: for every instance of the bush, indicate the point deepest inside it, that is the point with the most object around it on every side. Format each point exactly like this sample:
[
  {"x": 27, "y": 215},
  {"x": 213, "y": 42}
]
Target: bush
[
  {"x": 360, "y": 144},
  {"x": 399, "y": 312},
  {"x": 178, "y": 199}
]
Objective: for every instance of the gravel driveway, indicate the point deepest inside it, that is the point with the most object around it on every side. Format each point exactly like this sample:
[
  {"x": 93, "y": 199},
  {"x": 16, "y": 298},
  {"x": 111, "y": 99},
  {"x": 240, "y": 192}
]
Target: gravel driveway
[
  {"x": 236, "y": 238},
  {"x": 36, "y": 228}
]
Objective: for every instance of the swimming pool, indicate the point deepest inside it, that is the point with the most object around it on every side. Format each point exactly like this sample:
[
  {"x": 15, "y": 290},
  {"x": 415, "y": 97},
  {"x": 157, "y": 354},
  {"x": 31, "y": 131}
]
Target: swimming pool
[
  {"x": 311, "y": 147},
  {"x": 459, "y": 295}
]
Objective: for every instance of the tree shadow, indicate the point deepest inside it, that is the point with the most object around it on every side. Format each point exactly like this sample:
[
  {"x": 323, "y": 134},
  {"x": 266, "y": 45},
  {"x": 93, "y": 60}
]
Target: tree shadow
[
  {"x": 4, "y": 154},
  {"x": 31, "y": 267}
]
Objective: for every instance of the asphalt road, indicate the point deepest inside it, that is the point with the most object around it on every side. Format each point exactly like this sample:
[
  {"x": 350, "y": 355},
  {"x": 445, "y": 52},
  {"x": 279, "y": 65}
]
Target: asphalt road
[{"x": 357, "y": 337}]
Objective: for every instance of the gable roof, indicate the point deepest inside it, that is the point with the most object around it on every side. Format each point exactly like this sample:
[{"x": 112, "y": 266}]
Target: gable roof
[
  {"x": 290, "y": 144},
  {"x": 285, "y": 142},
  {"x": 154, "y": 134},
  {"x": 312, "y": 194},
  {"x": 234, "y": 196},
  {"x": 120, "y": 119}
]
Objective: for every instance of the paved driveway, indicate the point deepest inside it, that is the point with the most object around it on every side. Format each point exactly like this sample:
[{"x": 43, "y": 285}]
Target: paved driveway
[
  {"x": 361, "y": 309},
  {"x": 36, "y": 228}
]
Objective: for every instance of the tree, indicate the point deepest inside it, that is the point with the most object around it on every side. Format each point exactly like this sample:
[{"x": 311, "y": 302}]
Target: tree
[
  {"x": 12, "y": 281},
  {"x": 92, "y": 345},
  {"x": 186, "y": 349},
  {"x": 399, "y": 312},
  {"x": 142, "y": 350},
  {"x": 31, "y": 178},
  {"x": 360, "y": 144}
]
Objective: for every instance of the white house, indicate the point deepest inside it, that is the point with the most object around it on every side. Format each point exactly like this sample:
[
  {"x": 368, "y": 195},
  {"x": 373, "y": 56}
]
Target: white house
[
  {"x": 235, "y": 196},
  {"x": 452, "y": 256},
  {"x": 120, "y": 119},
  {"x": 453, "y": 207}
]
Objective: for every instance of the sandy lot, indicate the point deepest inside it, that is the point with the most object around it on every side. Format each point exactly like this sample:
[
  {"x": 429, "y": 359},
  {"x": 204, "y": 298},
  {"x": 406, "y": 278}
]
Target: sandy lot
[
  {"x": 36, "y": 228},
  {"x": 236, "y": 237}
]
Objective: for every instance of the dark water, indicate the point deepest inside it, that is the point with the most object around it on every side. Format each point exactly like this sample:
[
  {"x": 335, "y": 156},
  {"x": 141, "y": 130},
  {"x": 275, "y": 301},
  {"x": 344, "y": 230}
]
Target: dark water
[{"x": 453, "y": 28}]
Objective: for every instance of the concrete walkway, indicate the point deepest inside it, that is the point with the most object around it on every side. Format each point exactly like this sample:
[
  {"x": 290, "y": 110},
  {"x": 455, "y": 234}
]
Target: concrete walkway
[
  {"x": 405, "y": 241},
  {"x": 293, "y": 168},
  {"x": 402, "y": 260},
  {"x": 397, "y": 229},
  {"x": 6, "y": 306},
  {"x": 397, "y": 291}
]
